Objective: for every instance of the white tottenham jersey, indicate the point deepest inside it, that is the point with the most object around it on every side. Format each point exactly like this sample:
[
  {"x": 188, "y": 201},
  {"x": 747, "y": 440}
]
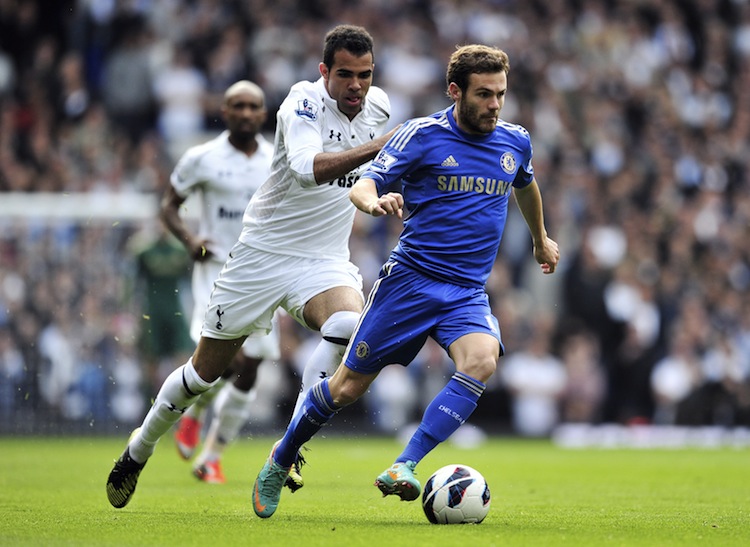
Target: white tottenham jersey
[
  {"x": 226, "y": 179},
  {"x": 291, "y": 214}
]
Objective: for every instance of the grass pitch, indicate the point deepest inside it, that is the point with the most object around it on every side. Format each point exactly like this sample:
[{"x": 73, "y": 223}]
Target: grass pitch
[{"x": 52, "y": 493}]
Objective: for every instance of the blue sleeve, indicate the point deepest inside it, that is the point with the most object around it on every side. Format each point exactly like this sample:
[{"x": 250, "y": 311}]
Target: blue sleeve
[
  {"x": 394, "y": 161},
  {"x": 525, "y": 173}
]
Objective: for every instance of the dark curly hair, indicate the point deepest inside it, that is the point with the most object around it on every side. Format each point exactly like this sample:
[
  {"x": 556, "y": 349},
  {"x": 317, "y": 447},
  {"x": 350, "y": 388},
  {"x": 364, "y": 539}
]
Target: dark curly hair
[{"x": 355, "y": 40}]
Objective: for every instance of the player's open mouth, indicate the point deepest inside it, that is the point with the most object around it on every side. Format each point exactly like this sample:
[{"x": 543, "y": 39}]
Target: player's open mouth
[{"x": 354, "y": 100}]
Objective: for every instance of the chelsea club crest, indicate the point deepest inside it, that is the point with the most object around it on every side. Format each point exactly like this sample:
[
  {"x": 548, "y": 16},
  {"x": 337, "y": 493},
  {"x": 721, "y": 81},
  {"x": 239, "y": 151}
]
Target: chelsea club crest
[
  {"x": 362, "y": 350},
  {"x": 508, "y": 163}
]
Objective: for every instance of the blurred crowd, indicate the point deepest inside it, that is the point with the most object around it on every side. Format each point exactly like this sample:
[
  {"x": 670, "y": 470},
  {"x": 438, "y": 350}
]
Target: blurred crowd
[{"x": 639, "y": 112}]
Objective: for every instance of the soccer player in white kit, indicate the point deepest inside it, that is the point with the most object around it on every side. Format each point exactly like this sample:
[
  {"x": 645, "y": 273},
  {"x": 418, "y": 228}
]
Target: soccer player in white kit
[
  {"x": 224, "y": 173},
  {"x": 293, "y": 251}
]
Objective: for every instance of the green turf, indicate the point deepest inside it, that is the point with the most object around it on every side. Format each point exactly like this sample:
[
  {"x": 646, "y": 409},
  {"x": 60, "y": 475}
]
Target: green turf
[{"x": 52, "y": 493}]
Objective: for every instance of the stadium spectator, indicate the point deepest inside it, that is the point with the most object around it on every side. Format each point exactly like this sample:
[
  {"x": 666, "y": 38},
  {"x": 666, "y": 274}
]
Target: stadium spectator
[
  {"x": 162, "y": 272},
  {"x": 74, "y": 97},
  {"x": 536, "y": 380},
  {"x": 719, "y": 396},
  {"x": 180, "y": 91},
  {"x": 586, "y": 382},
  {"x": 127, "y": 80},
  {"x": 12, "y": 373},
  {"x": 226, "y": 64},
  {"x": 674, "y": 377}
]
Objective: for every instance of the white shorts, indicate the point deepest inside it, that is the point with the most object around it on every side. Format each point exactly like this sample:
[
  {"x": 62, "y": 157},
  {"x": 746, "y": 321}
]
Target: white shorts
[
  {"x": 264, "y": 346},
  {"x": 253, "y": 284}
]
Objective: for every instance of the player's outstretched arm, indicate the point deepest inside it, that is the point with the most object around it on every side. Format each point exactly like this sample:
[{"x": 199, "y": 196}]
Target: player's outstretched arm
[
  {"x": 330, "y": 165},
  {"x": 364, "y": 196}
]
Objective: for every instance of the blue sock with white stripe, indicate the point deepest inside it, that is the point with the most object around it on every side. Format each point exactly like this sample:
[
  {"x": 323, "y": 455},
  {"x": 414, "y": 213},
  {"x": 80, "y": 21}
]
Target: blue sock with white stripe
[
  {"x": 448, "y": 410},
  {"x": 314, "y": 413}
]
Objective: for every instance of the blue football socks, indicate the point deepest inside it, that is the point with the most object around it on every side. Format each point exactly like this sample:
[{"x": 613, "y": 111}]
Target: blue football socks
[
  {"x": 448, "y": 410},
  {"x": 314, "y": 413}
]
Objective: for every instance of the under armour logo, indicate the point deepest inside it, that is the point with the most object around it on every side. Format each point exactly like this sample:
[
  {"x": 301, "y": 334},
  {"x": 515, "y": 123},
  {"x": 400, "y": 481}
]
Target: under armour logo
[
  {"x": 219, "y": 313},
  {"x": 176, "y": 409},
  {"x": 335, "y": 134}
]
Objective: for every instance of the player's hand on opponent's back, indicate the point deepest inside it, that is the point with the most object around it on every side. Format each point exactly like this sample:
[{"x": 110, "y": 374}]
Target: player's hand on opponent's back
[{"x": 391, "y": 203}]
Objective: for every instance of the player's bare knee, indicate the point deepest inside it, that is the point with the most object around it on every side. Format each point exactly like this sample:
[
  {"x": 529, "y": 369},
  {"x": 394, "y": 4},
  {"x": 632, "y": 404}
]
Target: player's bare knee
[{"x": 480, "y": 368}]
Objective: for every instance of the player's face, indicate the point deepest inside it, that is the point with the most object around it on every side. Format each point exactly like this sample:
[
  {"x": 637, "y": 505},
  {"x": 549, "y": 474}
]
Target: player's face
[
  {"x": 244, "y": 114},
  {"x": 348, "y": 80},
  {"x": 478, "y": 108}
]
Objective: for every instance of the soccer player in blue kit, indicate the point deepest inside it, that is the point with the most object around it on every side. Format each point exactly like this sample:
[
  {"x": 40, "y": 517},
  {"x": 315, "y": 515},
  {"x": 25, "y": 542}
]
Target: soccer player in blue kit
[{"x": 457, "y": 169}]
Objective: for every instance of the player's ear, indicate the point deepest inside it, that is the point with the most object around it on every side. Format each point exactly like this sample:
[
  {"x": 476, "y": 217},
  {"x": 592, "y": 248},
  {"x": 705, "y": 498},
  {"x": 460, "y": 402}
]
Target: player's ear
[
  {"x": 323, "y": 71},
  {"x": 454, "y": 92}
]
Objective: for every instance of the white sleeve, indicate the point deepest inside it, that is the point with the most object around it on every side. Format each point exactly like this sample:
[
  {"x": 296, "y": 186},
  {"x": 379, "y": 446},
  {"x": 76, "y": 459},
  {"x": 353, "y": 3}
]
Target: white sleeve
[
  {"x": 186, "y": 174},
  {"x": 301, "y": 117}
]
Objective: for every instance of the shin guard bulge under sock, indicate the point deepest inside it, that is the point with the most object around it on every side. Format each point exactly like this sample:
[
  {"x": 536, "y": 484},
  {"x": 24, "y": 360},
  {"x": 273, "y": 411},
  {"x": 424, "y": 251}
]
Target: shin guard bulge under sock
[
  {"x": 327, "y": 355},
  {"x": 181, "y": 388},
  {"x": 316, "y": 410},
  {"x": 448, "y": 410}
]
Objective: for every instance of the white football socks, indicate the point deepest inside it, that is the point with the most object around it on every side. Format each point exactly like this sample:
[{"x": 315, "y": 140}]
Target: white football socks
[
  {"x": 232, "y": 409},
  {"x": 322, "y": 364},
  {"x": 198, "y": 409},
  {"x": 180, "y": 390},
  {"x": 326, "y": 357}
]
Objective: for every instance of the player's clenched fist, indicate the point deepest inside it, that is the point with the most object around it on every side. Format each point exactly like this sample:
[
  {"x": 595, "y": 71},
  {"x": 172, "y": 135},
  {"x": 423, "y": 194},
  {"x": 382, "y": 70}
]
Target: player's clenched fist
[
  {"x": 364, "y": 196},
  {"x": 391, "y": 203}
]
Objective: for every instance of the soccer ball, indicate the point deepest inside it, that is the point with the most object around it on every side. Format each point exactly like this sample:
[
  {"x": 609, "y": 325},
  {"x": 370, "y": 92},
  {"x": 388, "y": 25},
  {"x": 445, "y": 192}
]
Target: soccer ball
[{"x": 456, "y": 494}]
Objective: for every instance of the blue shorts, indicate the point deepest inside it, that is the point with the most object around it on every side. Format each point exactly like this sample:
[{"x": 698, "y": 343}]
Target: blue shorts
[{"x": 404, "y": 308}]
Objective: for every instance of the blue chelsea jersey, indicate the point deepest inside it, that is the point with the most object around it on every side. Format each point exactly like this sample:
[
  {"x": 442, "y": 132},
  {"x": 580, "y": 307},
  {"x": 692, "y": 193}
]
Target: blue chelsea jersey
[{"x": 456, "y": 189}]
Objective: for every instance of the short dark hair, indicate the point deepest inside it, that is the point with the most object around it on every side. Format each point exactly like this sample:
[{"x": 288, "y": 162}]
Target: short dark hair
[
  {"x": 355, "y": 40},
  {"x": 475, "y": 59}
]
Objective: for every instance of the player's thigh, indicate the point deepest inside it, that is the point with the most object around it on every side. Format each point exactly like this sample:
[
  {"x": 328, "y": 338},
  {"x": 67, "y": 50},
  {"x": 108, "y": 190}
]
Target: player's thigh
[
  {"x": 264, "y": 346},
  {"x": 398, "y": 317},
  {"x": 323, "y": 287},
  {"x": 322, "y": 306},
  {"x": 202, "y": 283},
  {"x": 470, "y": 333},
  {"x": 246, "y": 294}
]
